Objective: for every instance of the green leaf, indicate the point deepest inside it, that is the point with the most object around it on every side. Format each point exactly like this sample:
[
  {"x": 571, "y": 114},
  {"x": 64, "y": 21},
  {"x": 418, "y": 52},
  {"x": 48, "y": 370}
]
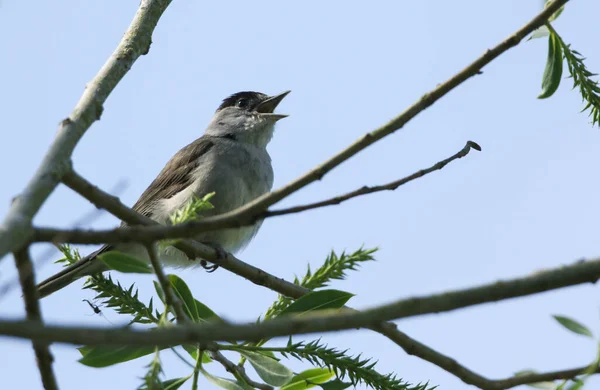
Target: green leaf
[
  {"x": 335, "y": 384},
  {"x": 159, "y": 291},
  {"x": 270, "y": 370},
  {"x": 539, "y": 385},
  {"x": 185, "y": 294},
  {"x": 174, "y": 384},
  {"x": 576, "y": 384},
  {"x": 555, "y": 15},
  {"x": 554, "y": 65},
  {"x": 309, "y": 378},
  {"x": 573, "y": 326},
  {"x": 104, "y": 356},
  {"x": 319, "y": 300},
  {"x": 193, "y": 351},
  {"x": 125, "y": 263},
  {"x": 227, "y": 384},
  {"x": 171, "y": 384},
  {"x": 205, "y": 313},
  {"x": 541, "y": 32}
]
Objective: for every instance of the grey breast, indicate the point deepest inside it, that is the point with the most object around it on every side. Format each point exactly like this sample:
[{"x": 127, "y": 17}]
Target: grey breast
[{"x": 238, "y": 173}]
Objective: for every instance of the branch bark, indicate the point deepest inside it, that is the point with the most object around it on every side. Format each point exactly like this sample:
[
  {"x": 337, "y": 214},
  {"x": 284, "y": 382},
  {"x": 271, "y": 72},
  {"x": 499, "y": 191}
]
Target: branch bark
[
  {"x": 16, "y": 229},
  {"x": 578, "y": 273},
  {"x": 32, "y": 307},
  {"x": 256, "y": 210}
]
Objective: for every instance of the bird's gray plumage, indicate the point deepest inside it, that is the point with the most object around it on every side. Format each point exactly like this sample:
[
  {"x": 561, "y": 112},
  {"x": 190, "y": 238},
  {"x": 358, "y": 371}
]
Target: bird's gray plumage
[{"x": 230, "y": 159}]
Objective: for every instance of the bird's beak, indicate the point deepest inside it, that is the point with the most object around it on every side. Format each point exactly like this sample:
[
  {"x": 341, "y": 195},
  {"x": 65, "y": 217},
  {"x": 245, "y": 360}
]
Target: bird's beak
[{"x": 266, "y": 107}]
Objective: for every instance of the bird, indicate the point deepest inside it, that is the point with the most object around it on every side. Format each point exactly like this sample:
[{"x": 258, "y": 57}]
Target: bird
[{"x": 229, "y": 159}]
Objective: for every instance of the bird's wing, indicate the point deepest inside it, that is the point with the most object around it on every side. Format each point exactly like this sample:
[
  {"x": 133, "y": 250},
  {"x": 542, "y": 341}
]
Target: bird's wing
[{"x": 174, "y": 177}]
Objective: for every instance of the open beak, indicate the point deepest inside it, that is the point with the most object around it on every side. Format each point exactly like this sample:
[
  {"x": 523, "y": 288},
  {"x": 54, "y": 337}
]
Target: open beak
[{"x": 266, "y": 107}]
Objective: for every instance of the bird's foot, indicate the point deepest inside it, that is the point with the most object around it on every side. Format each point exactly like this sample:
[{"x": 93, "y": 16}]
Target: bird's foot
[{"x": 221, "y": 254}]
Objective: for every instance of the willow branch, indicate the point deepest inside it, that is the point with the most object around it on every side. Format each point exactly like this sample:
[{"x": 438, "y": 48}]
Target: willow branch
[
  {"x": 16, "y": 229},
  {"x": 251, "y": 212},
  {"x": 32, "y": 307},
  {"x": 578, "y": 273}
]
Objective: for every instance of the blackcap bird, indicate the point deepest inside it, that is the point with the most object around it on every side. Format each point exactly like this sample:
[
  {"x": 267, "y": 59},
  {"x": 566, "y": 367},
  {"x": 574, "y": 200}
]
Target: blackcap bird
[{"x": 230, "y": 159}]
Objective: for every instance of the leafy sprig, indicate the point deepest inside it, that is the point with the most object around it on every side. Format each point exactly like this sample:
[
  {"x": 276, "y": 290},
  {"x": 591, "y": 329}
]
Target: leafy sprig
[
  {"x": 558, "y": 51},
  {"x": 334, "y": 268},
  {"x": 151, "y": 379},
  {"x": 123, "y": 301},
  {"x": 355, "y": 368}
]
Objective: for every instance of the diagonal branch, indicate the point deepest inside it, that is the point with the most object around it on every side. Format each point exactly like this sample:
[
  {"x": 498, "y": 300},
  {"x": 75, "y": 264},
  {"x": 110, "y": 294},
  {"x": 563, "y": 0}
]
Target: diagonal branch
[
  {"x": 384, "y": 187},
  {"x": 236, "y": 370},
  {"x": 171, "y": 300},
  {"x": 256, "y": 210},
  {"x": 82, "y": 186},
  {"x": 552, "y": 279},
  {"x": 32, "y": 307},
  {"x": 16, "y": 228}
]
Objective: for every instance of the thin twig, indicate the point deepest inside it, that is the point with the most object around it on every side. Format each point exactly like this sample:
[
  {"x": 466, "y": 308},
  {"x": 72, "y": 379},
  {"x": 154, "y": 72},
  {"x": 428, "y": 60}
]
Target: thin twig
[
  {"x": 197, "y": 368},
  {"x": 237, "y": 370},
  {"x": 171, "y": 300},
  {"x": 559, "y": 277},
  {"x": 369, "y": 190},
  {"x": 16, "y": 229},
  {"x": 251, "y": 212},
  {"x": 32, "y": 307}
]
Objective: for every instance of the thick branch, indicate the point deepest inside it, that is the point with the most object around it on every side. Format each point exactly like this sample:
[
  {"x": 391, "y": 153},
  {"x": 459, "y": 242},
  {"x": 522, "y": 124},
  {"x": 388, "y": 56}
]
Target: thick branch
[
  {"x": 32, "y": 307},
  {"x": 16, "y": 229},
  {"x": 255, "y": 210},
  {"x": 578, "y": 273}
]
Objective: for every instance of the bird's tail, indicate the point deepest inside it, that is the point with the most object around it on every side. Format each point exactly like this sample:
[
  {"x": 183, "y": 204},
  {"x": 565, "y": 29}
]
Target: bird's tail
[{"x": 89, "y": 265}]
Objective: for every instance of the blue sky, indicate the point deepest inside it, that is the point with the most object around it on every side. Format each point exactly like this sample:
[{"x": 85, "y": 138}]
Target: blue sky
[{"x": 528, "y": 201}]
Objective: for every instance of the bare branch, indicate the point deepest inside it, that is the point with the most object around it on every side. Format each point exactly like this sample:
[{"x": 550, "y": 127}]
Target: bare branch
[
  {"x": 255, "y": 210},
  {"x": 16, "y": 229},
  {"x": 32, "y": 307},
  {"x": 384, "y": 187},
  {"x": 578, "y": 273}
]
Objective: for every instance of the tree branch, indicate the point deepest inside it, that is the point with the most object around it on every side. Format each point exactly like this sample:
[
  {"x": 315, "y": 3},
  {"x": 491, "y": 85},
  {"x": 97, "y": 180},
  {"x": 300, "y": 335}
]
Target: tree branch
[
  {"x": 236, "y": 370},
  {"x": 171, "y": 300},
  {"x": 32, "y": 307},
  {"x": 578, "y": 273},
  {"x": 262, "y": 278},
  {"x": 16, "y": 229},
  {"x": 256, "y": 210},
  {"x": 384, "y": 187}
]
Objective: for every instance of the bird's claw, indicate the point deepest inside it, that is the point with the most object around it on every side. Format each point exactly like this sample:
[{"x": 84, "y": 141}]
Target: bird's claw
[{"x": 221, "y": 254}]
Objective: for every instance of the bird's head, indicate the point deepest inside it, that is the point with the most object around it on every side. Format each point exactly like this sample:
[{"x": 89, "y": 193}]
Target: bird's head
[{"x": 247, "y": 117}]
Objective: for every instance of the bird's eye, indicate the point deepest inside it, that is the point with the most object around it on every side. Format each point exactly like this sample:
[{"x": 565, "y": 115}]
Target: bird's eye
[{"x": 242, "y": 103}]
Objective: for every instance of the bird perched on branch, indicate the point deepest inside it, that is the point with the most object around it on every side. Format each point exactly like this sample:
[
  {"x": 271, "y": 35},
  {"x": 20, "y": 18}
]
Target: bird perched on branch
[{"x": 229, "y": 159}]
